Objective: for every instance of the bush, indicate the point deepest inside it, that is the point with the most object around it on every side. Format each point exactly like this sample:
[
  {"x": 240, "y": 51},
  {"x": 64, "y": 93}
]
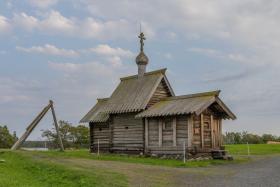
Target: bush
[{"x": 6, "y": 138}]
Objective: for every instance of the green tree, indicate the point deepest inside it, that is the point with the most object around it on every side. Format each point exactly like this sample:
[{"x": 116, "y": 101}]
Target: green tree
[
  {"x": 80, "y": 135},
  {"x": 6, "y": 138},
  {"x": 72, "y": 136}
]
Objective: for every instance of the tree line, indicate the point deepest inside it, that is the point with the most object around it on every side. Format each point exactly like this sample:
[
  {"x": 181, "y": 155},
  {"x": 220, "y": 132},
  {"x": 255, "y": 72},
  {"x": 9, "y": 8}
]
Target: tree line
[
  {"x": 244, "y": 137},
  {"x": 72, "y": 137},
  {"x": 78, "y": 137}
]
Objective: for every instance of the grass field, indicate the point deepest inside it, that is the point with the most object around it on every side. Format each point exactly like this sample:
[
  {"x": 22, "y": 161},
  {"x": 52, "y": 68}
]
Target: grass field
[
  {"x": 254, "y": 149},
  {"x": 20, "y": 169},
  {"x": 53, "y": 168},
  {"x": 135, "y": 159}
]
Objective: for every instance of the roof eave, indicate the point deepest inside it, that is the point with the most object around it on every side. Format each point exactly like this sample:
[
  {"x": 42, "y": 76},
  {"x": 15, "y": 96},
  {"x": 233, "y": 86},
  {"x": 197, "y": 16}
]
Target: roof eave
[{"x": 226, "y": 109}]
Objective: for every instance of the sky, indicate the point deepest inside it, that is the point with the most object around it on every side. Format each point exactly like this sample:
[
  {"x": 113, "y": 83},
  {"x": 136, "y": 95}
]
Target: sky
[{"x": 74, "y": 51}]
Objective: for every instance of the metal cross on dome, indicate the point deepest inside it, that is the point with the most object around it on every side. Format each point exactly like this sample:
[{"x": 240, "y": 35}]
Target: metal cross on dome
[{"x": 142, "y": 38}]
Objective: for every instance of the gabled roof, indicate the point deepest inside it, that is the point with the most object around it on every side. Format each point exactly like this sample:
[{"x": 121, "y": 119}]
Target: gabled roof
[
  {"x": 96, "y": 114},
  {"x": 133, "y": 93},
  {"x": 187, "y": 104}
]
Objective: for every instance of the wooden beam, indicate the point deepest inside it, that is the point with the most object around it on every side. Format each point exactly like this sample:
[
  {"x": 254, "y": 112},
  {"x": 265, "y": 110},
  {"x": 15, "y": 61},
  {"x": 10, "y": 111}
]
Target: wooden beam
[
  {"x": 174, "y": 131},
  {"x": 202, "y": 130},
  {"x": 56, "y": 126},
  {"x": 212, "y": 131},
  {"x": 160, "y": 132},
  {"x": 190, "y": 130},
  {"x": 30, "y": 128},
  {"x": 146, "y": 134}
]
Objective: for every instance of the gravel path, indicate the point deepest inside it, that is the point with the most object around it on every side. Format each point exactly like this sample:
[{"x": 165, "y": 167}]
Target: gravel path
[{"x": 260, "y": 172}]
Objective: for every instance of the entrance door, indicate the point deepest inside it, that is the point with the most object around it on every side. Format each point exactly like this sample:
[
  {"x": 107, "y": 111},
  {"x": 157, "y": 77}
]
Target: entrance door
[{"x": 207, "y": 135}]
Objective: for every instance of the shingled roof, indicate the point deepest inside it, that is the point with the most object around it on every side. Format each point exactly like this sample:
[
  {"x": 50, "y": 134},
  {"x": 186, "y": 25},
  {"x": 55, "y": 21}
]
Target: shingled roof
[
  {"x": 96, "y": 114},
  {"x": 187, "y": 104},
  {"x": 131, "y": 95}
]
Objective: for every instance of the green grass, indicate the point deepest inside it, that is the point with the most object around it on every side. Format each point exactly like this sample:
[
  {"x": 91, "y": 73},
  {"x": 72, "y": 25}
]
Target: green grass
[
  {"x": 49, "y": 169},
  {"x": 137, "y": 159},
  {"x": 21, "y": 170},
  {"x": 255, "y": 149}
]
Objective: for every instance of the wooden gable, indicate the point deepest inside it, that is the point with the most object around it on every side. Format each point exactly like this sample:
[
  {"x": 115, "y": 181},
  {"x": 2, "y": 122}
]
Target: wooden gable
[{"x": 162, "y": 91}]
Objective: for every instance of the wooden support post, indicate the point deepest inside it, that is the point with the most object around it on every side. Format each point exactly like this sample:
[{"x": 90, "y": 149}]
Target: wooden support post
[
  {"x": 56, "y": 127},
  {"x": 190, "y": 130},
  {"x": 212, "y": 131},
  {"x": 146, "y": 134},
  {"x": 34, "y": 123},
  {"x": 218, "y": 133},
  {"x": 174, "y": 131},
  {"x": 160, "y": 132},
  {"x": 221, "y": 132},
  {"x": 202, "y": 131},
  {"x": 30, "y": 128}
]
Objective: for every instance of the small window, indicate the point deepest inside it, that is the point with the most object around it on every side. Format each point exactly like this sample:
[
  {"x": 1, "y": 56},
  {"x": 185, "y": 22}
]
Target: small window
[
  {"x": 196, "y": 131},
  {"x": 167, "y": 124},
  {"x": 100, "y": 129},
  {"x": 126, "y": 127},
  {"x": 206, "y": 125}
]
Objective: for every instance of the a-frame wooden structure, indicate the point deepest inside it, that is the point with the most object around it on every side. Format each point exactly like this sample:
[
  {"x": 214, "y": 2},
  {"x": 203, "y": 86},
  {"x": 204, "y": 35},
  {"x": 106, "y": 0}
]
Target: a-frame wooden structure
[{"x": 35, "y": 122}]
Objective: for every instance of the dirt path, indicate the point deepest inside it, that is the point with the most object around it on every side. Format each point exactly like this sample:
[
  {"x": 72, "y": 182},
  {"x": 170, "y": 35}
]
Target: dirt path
[{"x": 261, "y": 172}]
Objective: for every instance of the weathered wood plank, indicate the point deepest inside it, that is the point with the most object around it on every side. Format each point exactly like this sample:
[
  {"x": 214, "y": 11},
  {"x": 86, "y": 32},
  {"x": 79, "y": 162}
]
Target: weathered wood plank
[
  {"x": 174, "y": 131},
  {"x": 202, "y": 131},
  {"x": 160, "y": 132},
  {"x": 190, "y": 130},
  {"x": 146, "y": 133}
]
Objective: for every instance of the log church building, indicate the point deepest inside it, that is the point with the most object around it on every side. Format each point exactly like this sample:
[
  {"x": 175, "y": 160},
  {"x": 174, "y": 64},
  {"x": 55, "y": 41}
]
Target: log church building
[{"x": 143, "y": 115}]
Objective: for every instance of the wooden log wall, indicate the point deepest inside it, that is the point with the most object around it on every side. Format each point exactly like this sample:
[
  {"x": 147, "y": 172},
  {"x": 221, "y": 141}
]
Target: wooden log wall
[
  {"x": 153, "y": 132},
  {"x": 167, "y": 132},
  {"x": 169, "y": 142},
  {"x": 182, "y": 130},
  {"x": 127, "y": 133},
  {"x": 99, "y": 132}
]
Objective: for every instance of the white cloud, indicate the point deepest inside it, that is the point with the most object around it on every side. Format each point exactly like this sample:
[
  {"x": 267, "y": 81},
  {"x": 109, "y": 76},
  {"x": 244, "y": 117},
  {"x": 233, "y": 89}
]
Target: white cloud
[
  {"x": 24, "y": 21},
  {"x": 15, "y": 90},
  {"x": 4, "y": 25},
  {"x": 113, "y": 55},
  {"x": 94, "y": 68},
  {"x": 249, "y": 24},
  {"x": 42, "y": 3},
  {"x": 54, "y": 22},
  {"x": 206, "y": 51},
  {"x": 49, "y": 50},
  {"x": 105, "y": 49}
]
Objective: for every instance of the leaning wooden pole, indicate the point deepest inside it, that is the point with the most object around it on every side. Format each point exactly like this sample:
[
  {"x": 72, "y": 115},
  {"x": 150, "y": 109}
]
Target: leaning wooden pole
[
  {"x": 30, "y": 128},
  {"x": 56, "y": 126}
]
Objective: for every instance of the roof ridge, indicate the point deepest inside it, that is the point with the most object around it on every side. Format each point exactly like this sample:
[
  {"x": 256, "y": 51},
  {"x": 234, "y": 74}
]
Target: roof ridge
[
  {"x": 148, "y": 73},
  {"x": 202, "y": 94},
  {"x": 103, "y": 99}
]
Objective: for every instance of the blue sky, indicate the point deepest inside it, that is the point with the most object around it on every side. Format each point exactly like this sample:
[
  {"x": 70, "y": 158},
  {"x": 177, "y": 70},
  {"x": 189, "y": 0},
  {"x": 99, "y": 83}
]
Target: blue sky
[{"x": 75, "y": 51}]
